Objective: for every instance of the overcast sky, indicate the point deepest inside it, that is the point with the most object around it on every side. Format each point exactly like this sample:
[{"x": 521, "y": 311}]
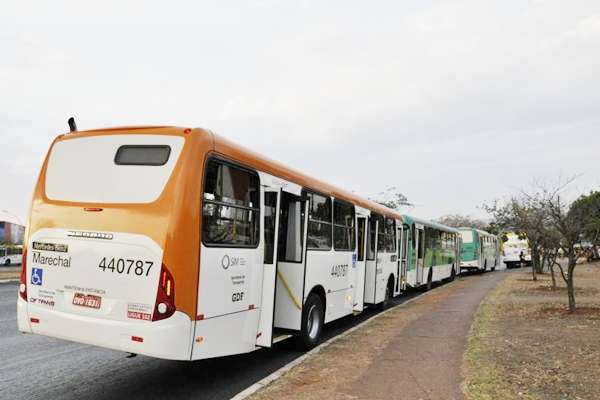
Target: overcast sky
[{"x": 453, "y": 102}]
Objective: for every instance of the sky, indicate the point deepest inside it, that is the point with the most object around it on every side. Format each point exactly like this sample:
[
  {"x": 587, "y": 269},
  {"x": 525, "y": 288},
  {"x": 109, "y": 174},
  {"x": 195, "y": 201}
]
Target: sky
[{"x": 455, "y": 103}]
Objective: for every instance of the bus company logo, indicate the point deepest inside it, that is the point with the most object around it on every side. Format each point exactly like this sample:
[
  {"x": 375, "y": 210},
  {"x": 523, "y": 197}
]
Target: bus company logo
[
  {"x": 37, "y": 276},
  {"x": 90, "y": 235},
  {"x": 225, "y": 261},
  {"x": 62, "y": 248},
  {"x": 228, "y": 261}
]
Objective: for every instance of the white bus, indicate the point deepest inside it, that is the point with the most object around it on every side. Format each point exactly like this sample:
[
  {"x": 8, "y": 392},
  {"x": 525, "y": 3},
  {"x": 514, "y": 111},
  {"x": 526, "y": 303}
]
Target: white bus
[
  {"x": 515, "y": 248},
  {"x": 178, "y": 244},
  {"x": 11, "y": 255}
]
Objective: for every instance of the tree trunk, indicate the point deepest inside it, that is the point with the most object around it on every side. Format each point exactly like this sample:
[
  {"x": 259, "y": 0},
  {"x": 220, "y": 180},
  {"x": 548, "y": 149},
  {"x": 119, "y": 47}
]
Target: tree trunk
[
  {"x": 552, "y": 274},
  {"x": 571, "y": 283},
  {"x": 533, "y": 271}
]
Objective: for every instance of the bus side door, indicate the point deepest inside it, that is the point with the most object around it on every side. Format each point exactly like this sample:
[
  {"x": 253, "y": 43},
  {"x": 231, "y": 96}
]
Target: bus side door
[{"x": 271, "y": 203}]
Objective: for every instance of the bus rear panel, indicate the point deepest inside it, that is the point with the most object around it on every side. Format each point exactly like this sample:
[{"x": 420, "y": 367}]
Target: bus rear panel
[{"x": 97, "y": 266}]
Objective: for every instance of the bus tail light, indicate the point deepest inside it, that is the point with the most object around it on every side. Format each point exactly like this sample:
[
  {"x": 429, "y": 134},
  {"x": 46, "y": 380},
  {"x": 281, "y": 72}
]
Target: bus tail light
[
  {"x": 164, "y": 306},
  {"x": 23, "y": 280}
]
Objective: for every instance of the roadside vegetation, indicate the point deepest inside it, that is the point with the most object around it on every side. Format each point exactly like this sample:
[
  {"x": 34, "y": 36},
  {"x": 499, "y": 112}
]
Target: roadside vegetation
[
  {"x": 559, "y": 232},
  {"x": 536, "y": 335},
  {"x": 525, "y": 344}
]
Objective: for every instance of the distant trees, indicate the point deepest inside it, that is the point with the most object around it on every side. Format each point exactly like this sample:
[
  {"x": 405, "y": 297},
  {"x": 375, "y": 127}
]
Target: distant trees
[
  {"x": 552, "y": 226},
  {"x": 392, "y": 198},
  {"x": 459, "y": 220}
]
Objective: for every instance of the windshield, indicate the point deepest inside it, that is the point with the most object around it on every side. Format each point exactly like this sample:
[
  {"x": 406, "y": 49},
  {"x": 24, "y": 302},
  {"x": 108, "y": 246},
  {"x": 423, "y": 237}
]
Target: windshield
[{"x": 467, "y": 236}]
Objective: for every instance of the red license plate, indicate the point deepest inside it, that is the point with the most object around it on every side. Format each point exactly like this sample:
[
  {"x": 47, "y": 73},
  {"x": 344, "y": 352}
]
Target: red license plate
[{"x": 87, "y": 300}]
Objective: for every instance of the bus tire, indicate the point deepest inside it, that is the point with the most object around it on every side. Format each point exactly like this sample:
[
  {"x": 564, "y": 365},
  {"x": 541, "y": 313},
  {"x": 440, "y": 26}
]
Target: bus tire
[
  {"x": 389, "y": 289},
  {"x": 7, "y": 262},
  {"x": 430, "y": 279},
  {"x": 313, "y": 316}
]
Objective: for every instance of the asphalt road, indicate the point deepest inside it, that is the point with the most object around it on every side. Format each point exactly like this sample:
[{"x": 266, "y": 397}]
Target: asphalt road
[{"x": 38, "y": 367}]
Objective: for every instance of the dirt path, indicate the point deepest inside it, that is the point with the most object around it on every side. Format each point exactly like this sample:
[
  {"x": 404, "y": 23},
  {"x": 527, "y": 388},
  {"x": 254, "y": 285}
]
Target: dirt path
[
  {"x": 412, "y": 352},
  {"x": 424, "y": 361}
]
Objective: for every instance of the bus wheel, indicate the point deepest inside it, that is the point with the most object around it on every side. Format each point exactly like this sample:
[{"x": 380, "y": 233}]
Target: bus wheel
[
  {"x": 388, "y": 295},
  {"x": 430, "y": 279},
  {"x": 7, "y": 262},
  {"x": 312, "y": 322}
]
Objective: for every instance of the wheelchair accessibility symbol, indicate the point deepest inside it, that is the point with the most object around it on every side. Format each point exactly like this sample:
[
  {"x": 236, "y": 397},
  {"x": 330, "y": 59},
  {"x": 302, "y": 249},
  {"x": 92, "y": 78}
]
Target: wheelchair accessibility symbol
[{"x": 36, "y": 276}]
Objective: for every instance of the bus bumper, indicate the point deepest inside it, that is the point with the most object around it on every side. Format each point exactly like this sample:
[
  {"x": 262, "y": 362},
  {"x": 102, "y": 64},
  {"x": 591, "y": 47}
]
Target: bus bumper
[
  {"x": 169, "y": 338},
  {"x": 469, "y": 265}
]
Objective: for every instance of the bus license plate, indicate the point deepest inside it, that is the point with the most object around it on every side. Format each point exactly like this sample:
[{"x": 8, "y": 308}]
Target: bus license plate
[{"x": 87, "y": 300}]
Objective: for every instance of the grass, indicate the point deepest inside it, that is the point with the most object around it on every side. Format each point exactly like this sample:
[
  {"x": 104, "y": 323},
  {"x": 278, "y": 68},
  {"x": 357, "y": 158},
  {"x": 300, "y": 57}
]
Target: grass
[{"x": 523, "y": 343}]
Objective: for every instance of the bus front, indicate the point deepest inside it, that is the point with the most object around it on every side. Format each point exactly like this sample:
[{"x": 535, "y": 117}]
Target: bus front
[{"x": 96, "y": 265}]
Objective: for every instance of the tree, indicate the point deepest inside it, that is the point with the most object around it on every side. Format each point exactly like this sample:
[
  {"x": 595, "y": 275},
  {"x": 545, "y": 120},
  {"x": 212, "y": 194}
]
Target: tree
[
  {"x": 588, "y": 206},
  {"x": 392, "y": 198},
  {"x": 552, "y": 224},
  {"x": 459, "y": 220}
]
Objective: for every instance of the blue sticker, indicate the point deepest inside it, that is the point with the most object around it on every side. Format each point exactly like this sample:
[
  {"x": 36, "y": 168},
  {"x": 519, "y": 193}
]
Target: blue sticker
[
  {"x": 37, "y": 275},
  {"x": 353, "y": 260}
]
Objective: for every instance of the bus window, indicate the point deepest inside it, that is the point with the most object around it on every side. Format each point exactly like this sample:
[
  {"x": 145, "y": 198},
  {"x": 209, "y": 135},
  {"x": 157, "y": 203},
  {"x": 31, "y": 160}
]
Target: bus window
[
  {"x": 142, "y": 155},
  {"x": 361, "y": 239},
  {"x": 467, "y": 236},
  {"x": 291, "y": 229},
  {"x": 343, "y": 226},
  {"x": 319, "y": 222},
  {"x": 371, "y": 235},
  {"x": 270, "y": 214},
  {"x": 230, "y": 209},
  {"x": 390, "y": 234}
]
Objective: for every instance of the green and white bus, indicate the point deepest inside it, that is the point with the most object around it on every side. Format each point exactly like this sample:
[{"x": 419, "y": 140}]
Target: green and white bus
[
  {"x": 428, "y": 252},
  {"x": 479, "y": 250}
]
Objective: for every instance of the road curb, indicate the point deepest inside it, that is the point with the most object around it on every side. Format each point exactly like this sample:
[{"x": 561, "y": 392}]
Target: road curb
[
  {"x": 9, "y": 280},
  {"x": 277, "y": 374}
]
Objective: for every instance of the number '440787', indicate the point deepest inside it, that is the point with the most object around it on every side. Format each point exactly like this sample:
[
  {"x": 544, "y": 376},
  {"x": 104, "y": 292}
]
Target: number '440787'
[{"x": 126, "y": 266}]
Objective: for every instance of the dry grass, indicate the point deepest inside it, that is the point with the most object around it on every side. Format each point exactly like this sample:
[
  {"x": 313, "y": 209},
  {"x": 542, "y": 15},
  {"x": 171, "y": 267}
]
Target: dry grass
[{"x": 525, "y": 345}]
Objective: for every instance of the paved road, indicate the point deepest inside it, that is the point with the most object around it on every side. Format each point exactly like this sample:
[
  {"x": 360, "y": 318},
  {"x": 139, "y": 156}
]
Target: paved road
[{"x": 37, "y": 367}]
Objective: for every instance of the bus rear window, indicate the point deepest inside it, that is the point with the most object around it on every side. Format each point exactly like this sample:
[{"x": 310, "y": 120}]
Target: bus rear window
[
  {"x": 142, "y": 155},
  {"x": 467, "y": 236}
]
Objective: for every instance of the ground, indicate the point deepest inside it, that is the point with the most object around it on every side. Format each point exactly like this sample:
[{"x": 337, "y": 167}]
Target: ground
[{"x": 525, "y": 345}]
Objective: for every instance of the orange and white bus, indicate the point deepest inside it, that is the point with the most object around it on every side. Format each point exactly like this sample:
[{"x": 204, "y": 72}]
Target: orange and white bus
[{"x": 178, "y": 244}]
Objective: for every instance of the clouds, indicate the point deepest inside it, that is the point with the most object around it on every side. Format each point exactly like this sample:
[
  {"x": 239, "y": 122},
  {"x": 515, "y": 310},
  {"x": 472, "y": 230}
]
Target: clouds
[{"x": 454, "y": 102}]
